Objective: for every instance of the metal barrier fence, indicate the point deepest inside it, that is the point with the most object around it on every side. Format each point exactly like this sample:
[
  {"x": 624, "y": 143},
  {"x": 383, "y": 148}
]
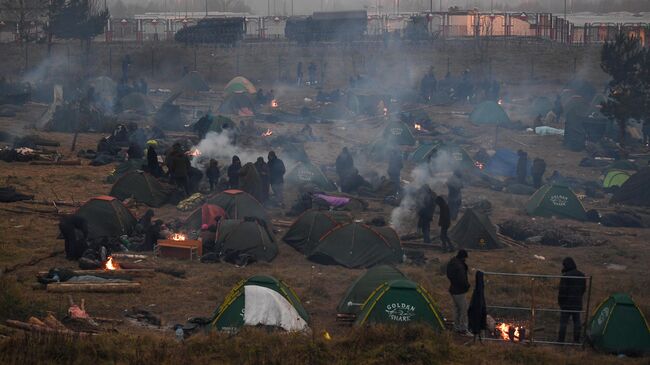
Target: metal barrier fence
[{"x": 525, "y": 305}]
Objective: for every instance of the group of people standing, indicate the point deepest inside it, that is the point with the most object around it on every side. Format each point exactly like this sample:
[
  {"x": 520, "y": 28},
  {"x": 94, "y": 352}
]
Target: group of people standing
[
  {"x": 537, "y": 169},
  {"x": 258, "y": 178},
  {"x": 311, "y": 71}
]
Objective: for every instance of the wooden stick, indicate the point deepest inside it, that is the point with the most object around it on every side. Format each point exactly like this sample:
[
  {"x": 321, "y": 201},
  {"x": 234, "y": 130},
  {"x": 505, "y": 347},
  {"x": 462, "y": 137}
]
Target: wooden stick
[
  {"x": 57, "y": 163},
  {"x": 32, "y": 328},
  {"x": 32, "y": 262},
  {"x": 127, "y": 287},
  {"x": 129, "y": 256},
  {"x": 49, "y": 203},
  {"x": 111, "y": 273}
]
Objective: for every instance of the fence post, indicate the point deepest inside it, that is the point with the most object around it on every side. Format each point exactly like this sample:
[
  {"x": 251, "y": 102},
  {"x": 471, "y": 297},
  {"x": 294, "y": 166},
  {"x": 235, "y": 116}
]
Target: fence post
[
  {"x": 586, "y": 323},
  {"x": 532, "y": 310}
]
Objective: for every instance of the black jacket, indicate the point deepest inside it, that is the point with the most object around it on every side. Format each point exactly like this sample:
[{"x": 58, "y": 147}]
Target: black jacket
[
  {"x": 539, "y": 167},
  {"x": 445, "y": 216},
  {"x": 276, "y": 171},
  {"x": 426, "y": 205},
  {"x": 233, "y": 176},
  {"x": 571, "y": 289},
  {"x": 457, "y": 275},
  {"x": 477, "y": 312},
  {"x": 213, "y": 173},
  {"x": 344, "y": 164}
]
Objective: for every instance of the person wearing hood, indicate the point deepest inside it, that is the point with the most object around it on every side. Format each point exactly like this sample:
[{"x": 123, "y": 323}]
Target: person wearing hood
[
  {"x": 426, "y": 207},
  {"x": 153, "y": 167},
  {"x": 276, "y": 176},
  {"x": 572, "y": 288},
  {"x": 344, "y": 164},
  {"x": 263, "y": 171},
  {"x": 213, "y": 173},
  {"x": 444, "y": 221},
  {"x": 459, "y": 286},
  {"x": 522, "y": 167},
  {"x": 537, "y": 172},
  {"x": 249, "y": 181},
  {"x": 233, "y": 173}
]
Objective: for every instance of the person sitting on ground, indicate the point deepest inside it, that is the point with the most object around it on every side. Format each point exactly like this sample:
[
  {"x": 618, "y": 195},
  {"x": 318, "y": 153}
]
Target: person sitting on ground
[
  {"x": 74, "y": 230},
  {"x": 233, "y": 173},
  {"x": 213, "y": 173},
  {"x": 444, "y": 222}
]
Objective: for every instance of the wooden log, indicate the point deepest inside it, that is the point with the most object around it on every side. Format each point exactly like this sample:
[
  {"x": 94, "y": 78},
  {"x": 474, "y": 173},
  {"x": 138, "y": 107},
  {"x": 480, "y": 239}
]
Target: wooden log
[
  {"x": 57, "y": 163},
  {"x": 32, "y": 328},
  {"x": 127, "y": 287},
  {"x": 111, "y": 273},
  {"x": 52, "y": 202},
  {"x": 134, "y": 256}
]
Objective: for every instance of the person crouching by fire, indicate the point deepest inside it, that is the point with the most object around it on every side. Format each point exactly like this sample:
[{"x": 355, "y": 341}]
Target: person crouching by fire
[{"x": 459, "y": 286}]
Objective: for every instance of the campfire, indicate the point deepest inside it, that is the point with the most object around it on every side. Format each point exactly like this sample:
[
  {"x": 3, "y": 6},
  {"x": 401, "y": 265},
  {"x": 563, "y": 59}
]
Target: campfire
[
  {"x": 510, "y": 332},
  {"x": 267, "y": 133},
  {"x": 274, "y": 103},
  {"x": 111, "y": 264},
  {"x": 479, "y": 165},
  {"x": 194, "y": 152},
  {"x": 178, "y": 237},
  {"x": 385, "y": 112},
  {"x": 500, "y": 102},
  {"x": 418, "y": 127}
]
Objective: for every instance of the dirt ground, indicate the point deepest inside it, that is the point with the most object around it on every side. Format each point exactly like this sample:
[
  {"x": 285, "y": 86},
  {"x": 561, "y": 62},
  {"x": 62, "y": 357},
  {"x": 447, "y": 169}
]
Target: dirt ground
[{"x": 28, "y": 235}]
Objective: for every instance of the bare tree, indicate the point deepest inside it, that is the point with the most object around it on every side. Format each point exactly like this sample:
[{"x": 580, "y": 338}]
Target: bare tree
[
  {"x": 235, "y": 6},
  {"x": 24, "y": 12}
]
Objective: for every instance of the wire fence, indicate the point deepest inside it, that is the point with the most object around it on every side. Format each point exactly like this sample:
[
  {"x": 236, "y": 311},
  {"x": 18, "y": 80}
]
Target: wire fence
[{"x": 525, "y": 307}]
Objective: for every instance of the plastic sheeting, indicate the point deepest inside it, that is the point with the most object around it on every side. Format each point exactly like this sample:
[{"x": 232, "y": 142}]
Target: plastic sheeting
[{"x": 263, "y": 306}]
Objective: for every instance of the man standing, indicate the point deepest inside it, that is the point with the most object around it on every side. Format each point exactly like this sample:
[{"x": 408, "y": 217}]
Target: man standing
[
  {"x": 459, "y": 286},
  {"x": 233, "y": 172},
  {"x": 263, "y": 171},
  {"x": 572, "y": 289},
  {"x": 299, "y": 74},
  {"x": 522, "y": 167},
  {"x": 537, "y": 172},
  {"x": 276, "y": 177},
  {"x": 444, "y": 222},
  {"x": 394, "y": 169},
  {"x": 179, "y": 167},
  {"x": 425, "y": 208},
  {"x": 344, "y": 164}
]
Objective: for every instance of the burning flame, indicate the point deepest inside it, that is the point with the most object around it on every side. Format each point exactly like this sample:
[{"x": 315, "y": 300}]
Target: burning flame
[
  {"x": 195, "y": 152},
  {"x": 479, "y": 165},
  {"x": 385, "y": 111},
  {"x": 111, "y": 264},
  {"x": 267, "y": 133},
  {"x": 500, "y": 102},
  {"x": 418, "y": 127},
  {"x": 274, "y": 103},
  {"x": 178, "y": 237},
  {"x": 504, "y": 332}
]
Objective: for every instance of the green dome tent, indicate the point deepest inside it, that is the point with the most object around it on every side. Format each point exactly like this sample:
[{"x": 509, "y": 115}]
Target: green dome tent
[
  {"x": 220, "y": 123},
  {"x": 456, "y": 157},
  {"x": 136, "y": 101},
  {"x": 540, "y": 106},
  {"x": 125, "y": 167},
  {"x": 475, "y": 231},
  {"x": 365, "y": 285},
  {"x": 489, "y": 112},
  {"x": 235, "y": 104},
  {"x": 615, "y": 178},
  {"x": 306, "y": 173},
  {"x": 556, "y": 200},
  {"x": 231, "y": 315},
  {"x": 398, "y": 133},
  {"x": 141, "y": 186},
  {"x": 635, "y": 190},
  {"x": 400, "y": 302},
  {"x": 193, "y": 82},
  {"x": 423, "y": 152},
  {"x": 598, "y": 100},
  {"x": 239, "y": 204},
  {"x": 356, "y": 245},
  {"x": 239, "y": 85},
  {"x": 618, "y": 326},
  {"x": 106, "y": 217},
  {"x": 236, "y": 237},
  {"x": 305, "y": 233},
  {"x": 205, "y": 214}
]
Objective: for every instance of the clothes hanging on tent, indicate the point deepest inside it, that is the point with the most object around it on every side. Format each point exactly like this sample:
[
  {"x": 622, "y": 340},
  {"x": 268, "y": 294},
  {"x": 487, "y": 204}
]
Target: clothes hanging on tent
[{"x": 264, "y": 306}]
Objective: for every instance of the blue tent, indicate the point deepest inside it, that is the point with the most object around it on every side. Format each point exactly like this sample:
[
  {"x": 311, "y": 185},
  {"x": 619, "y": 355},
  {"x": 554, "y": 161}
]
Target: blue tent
[{"x": 504, "y": 163}]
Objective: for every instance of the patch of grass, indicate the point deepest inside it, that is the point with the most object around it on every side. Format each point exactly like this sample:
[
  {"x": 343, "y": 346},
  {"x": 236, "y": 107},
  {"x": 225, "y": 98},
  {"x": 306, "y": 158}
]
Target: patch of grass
[{"x": 14, "y": 304}]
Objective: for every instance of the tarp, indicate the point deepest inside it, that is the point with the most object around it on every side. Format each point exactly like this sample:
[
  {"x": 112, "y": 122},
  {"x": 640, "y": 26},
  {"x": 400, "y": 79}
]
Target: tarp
[
  {"x": 106, "y": 217},
  {"x": 266, "y": 307},
  {"x": 237, "y": 237},
  {"x": 398, "y": 133},
  {"x": 555, "y": 200},
  {"x": 619, "y": 327},
  {"x": 400, "y": 302},
  {"x": 206, "y": 214},
  {"x": 193, "y": 82},
  {"x": 305, "y": 233},
  {"x": 239, "y": 204},
  {"x": 240, "y": 85},
  {"x": 356, "y": 245},
  {"x": 489, "y": 112},
  {"x": 504, "y": 163},
  {"x": 305, "y": 173},
  {"x": 230, "y": 314},
  {"x": 615, "y": 178},
  {"x": 475, "y": 231},
  {"x": 365, "y": 285},
  {"x": 142, "y": 187},
  {"x": 636, "y": 190}
]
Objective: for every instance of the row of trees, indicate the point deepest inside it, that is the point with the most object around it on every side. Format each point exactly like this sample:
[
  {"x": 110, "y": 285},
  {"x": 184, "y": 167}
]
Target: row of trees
[
  {"x": 123, "y": 9},
  {"x": 65, "y": 19},
  {"x": 628, "y": 64}
]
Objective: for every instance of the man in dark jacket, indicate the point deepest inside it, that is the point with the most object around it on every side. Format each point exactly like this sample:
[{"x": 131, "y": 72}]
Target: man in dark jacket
[
  {"x": 537, "y": 172},
  {"x": 426, "y": 206},
  {"x": 522, "y": 167},
  {"x": 572, "y": 289},
  {"x": 179, "y": 168},
  {"x": 344, "y": 164},
  {"x": 276, "y": 176},
  {"x": 213, "y": 173},
  {"x": 395, "y": 165},
  {"x": 444, "y": 222},
  {"x": 74, "y": 230},
  {"x": 263, "y": 171},
  {"x": 233, "y": 173},
  {"x": 153, "y": 167},
  {"x": 459, "y": 286}
]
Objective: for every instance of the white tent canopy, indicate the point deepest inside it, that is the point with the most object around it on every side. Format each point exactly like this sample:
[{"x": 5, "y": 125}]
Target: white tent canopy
[{"x": 263, "y": 306}]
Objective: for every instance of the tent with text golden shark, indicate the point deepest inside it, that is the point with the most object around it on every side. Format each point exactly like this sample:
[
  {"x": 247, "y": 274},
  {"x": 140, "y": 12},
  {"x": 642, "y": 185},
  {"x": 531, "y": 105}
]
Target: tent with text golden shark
[
  {"x": 261, "y": 301},
  {"x": 556, "y": 200},
  {"x": 400, "y": 302}
]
